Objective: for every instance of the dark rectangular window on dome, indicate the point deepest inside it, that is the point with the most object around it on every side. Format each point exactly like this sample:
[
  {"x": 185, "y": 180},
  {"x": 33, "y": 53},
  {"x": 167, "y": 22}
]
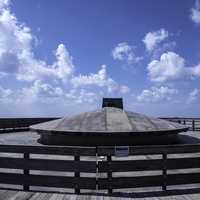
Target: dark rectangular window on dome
[{"x": 113, "y": 102}]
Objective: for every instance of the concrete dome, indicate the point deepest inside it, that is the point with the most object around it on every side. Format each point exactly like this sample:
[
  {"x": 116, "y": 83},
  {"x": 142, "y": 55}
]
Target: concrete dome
[
  {"x": 109, "y": 120},
  {"x": 107, "y": 126}
]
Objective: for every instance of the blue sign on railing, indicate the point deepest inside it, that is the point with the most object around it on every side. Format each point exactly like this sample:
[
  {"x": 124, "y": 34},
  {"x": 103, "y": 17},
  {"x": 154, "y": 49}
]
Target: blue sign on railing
[{"x": 121, "y": 151}]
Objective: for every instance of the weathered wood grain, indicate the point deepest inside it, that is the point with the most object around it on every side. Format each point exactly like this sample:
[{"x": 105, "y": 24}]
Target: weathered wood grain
[
  {"x": 149, "y": 165},
  {"x": 54, "y": 150},
  {"x": 46, "y": 164},
  {"x": 48, "y": 181}
]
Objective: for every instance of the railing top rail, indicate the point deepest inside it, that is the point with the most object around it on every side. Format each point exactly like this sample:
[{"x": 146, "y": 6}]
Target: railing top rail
[
  {"x": 181, "y": 118},
  {"x": 153, "y": 149},
  {"x": 53, "y": 150},
  {"x": 101, "y": 150}
]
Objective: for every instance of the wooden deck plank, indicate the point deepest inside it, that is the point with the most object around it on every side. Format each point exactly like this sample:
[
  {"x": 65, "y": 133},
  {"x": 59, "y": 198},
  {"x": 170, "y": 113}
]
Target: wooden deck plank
[
  {"x": 41, "y": 196},
  {"x": 20, "y": 195},
  {"x": 7, "y": 195},
  {"x": 70, "y": 197}
]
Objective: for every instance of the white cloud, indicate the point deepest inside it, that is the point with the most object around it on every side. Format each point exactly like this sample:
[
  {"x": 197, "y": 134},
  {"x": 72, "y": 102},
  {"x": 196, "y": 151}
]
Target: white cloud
[
  {"x": 41, "y": 89},
  {"x": 4, "y": 93},
  {"x": 100, "y": 79},
  {"x": 124, "y": 89},
  {"x": 152, "y": 39},
  {"x": 156, "y": 94},
  {"x": 2, "y": 74},
  {"x": 61, "y": 69},
  {"x": 44, "y": 83},
  {"x": 86, "y": 96},
  {"x": 124, "y": 52},
  {"x": 167, "y": 46},
  {"x": 195, "y": 13},
  {"x": 16, "y": 51},
  {"x": 4, "y": 4},
  {"x": 46, "y": 93},
  {"x": 170, "y": 66},
  {"x": 194, "y": 95},
  {"x": 194, "y": 71}
]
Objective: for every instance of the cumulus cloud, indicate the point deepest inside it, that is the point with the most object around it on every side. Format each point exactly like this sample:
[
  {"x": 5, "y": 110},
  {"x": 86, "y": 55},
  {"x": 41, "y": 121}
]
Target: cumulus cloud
[
  {"x": 167, "y": 46},
  {"x": 41, "y": 89},
  {"x": 194, "y": 71},
  {"x": 124, "y": 89},
  {"x": 44, "y": 82},
  {"x": 194, "y": 95},
  {"x": 155, "y": 94},
  {"x": 100, "y": 79},
  {"x": 195, "y": 13},
  {"x": 61, "y": 69},
  {"x": 4, "y": 3},
  {"x": 4, "y": 93},
  {"x": 16, "y": 51},
  {"x": 86, "y": 96},
  {"x": 152, "y": 39},
  {"x": 170, "y": 66},
  {"x": 48, "y": 93},
  {"x": 125, "y": 52}
]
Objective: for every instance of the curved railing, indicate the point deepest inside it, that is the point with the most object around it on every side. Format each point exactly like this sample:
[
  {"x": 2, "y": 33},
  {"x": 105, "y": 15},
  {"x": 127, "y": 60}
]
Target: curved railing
[
  {"x": 193, "y": 123},
  {"x": 94, "y": 168},
  {"x": 97, "y": 169}
]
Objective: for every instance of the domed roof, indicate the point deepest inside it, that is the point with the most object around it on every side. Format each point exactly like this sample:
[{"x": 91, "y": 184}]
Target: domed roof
[{"x": 109, "y": 120}]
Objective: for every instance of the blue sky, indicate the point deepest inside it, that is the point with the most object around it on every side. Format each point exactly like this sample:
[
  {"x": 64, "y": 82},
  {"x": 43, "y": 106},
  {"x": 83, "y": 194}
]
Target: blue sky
[{"x": 61, "y": 57}]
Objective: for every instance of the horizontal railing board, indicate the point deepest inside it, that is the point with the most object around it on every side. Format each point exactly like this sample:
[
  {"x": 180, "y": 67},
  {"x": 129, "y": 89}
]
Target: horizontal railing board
[
  {"x": 130, "y": 182},
  {"x": 149, "y": 165},
  {"x": 182, "y": 163},
  {"x": 149, "y": 181},
  {"x": 48, "y": 181},
  {"x": 181, "y": 179},
  {"x": 48, "y": 165},
  {"x": 152, "y": 149},
  {"x": 52, "y": 150},
  {"x": 91, "y": 151},
  {"x": 130, "y": 165}
]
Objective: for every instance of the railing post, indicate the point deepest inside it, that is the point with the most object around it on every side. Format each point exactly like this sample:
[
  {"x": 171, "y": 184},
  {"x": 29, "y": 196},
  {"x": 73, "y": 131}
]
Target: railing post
[
  {"x": 77, "y": 176},
  {"x": 26, "y": 171},
  {"x": 97, "y": 170},
  {"x": 164, "y": 171},
  {"x": 109, "y": 174},
  {"x": 193, "y": 125}
]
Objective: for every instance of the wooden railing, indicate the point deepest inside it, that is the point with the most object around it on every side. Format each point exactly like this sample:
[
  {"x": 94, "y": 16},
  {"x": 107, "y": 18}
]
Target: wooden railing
[
  {"x": 193, "y": 123},
  {"x": 87, "y": 160},
  {"x": 27, "y": 163},
  {"x": 164, "y": 165}
]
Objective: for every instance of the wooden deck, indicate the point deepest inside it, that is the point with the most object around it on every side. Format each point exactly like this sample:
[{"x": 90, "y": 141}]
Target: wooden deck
[{"x": 19, "y": 195}]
